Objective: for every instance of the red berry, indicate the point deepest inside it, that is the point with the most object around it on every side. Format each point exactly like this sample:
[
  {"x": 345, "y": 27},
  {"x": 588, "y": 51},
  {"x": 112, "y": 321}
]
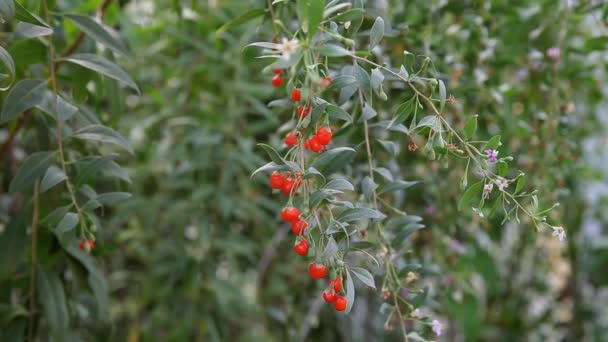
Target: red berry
[
  {"x": 287, "y": 186},
  {"x": 298, "y": 227},
  {"x": 329, "y": 296},
  {"x": 277, "y": 81},
  {"x": 301, "y": 248},
  {"x": 82, "y": 245},
  {"x": 337, "y": 284},
  {"x": 303, "y": 112},
  {"x": 91, "y": 244},
  {"x": 276, "y": 180},
  {"x": 277, "y": 71},
  {"x": 290, "y": 214},
  {"x": 306, "y": 145},
  {"x": 317, "y": 271},
  {"x": 86, "y": 245},
  {"x": 329, "y": 79},
  {"x": 296, "y": 94},
  {"x": 340, "y": 303},
  {"x": 324, "y": 135},
  {"x": 290, "y": 139},
  {"x": 314, "y": 144}
]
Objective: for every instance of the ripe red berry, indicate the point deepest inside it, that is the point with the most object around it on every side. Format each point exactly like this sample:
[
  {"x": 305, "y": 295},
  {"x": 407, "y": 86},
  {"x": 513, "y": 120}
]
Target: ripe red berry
[
  {"x": 82, "y": 245},
  {"x": 329, "y": 296},
  {"x": 288, "y": 184},
  {"x": 324, "y": 135},
  {"x": 290, "y": 214},
  {"x": 314, "y": 144},
  {"x": 340, "y": 303},
  {"x": 337, "y": 284},
  {"x": 86, "y": 245},
  {"x": 317, "y": 271},
  {"x": 277, "y": 71},
  {"x": 276, "y": 180},
  {"x": 301, "y": 247},
  {"x": 298, "y": 227},
  {"x": 290, "y": 139},
  {"x": 303, "y": 112},
  {"x": 277, "y": 81},
  {"x": 296, "y": 94},
  {"x": 306, "y": 145}
]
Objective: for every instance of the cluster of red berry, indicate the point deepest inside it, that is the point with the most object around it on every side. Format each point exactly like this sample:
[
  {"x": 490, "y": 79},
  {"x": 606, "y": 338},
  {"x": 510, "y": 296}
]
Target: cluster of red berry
[
  {"x": 86, "y": 245},
  {"x": 277, "y": 80},
  {"x": 284, "y": 182},
  {"x": 288, "y": 185}
]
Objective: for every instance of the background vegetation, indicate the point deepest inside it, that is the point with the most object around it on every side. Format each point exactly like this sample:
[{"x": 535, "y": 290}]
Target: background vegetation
[{"x": 198, "y": 251}]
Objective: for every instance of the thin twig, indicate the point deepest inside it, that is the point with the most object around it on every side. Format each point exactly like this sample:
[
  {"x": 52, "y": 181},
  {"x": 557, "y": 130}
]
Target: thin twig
[{"x": 34, "y": 262}]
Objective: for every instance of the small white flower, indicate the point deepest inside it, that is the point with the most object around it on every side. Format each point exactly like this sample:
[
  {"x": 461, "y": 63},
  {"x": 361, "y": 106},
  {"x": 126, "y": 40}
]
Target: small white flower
[
  {"x": 436, "y": 326},
  {"x": 502, "y": 183},
  {"x": 560, "y": 232},
  {"x": 416, "y": 314},
  {"x": 288, "y": 47},
  {"x": 347, "y": 24},
  {"x": 477, "y": 212},
  {"x": 487, "y": 189}
]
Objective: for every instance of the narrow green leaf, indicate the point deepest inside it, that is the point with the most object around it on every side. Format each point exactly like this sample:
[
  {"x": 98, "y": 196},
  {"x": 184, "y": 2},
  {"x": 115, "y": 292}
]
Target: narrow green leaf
[
  {"x": 335, "y": 112},
  {"x": 26, "y": 31},
  {"x": 67, "y": 223},
  {"x": 65, "y": 109},
  {"x": 7, "y": 9},
  {"x": 90, "y": 166},
  {"x": 339, "y": 184},
  {"x": 272, "y": 153},
  {"x": 52, "y": 177},
  {"x": 469, "y": 196},
  {"x": 103, "y": 66},
  {"x": 493, "y": 143},
  {"x": 376, "y": 33},
  {"x": 24, "y": 15},
  {"x": 368, "y": 186},
  {"x": 271, "y": 166},
  {"x": 521, "y": 182},
  {"x": 34, "y": 166},
  {"x": 333, "y": 159},
  {"x": 357, "y": 214},
  {"x": 315, "y": 15},
  {"x": 51, "y": 296},
  {"x": 330, "y": 249},
  {"x": 333, "y": 50},
  {"x": 97, "y": 32},
  {"x": 442, "y": 94},
  {"x": 7, "y": 60},
  {"x": 342, "y": 81},
  {"x": 241, "y": 19},
  {"x": 109, "y": 198},
  {"x": 350, "y": 291},
  {"x": 25, "y": 94},
  {"x": 470, "y": 127},
  {"x": 398, "y": 185},
  {"x": 364, "y": 275},
  {"x": 103, "y": 134},
  {"x": 367, "y": 113}
]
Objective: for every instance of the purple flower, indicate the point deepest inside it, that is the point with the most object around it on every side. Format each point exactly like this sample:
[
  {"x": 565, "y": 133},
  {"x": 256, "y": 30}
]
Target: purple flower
[
  {"x": 553, "y": 52},
  {"x": 492, "y": 154},
  {"x": 436, "y": 326}
]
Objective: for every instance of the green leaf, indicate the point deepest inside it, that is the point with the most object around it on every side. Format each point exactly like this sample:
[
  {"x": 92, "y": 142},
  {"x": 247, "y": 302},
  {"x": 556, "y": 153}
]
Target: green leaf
[
  {"x": 13, "y": 244},
  {"x": 109, "y": 198},
  {"x": 350, "y": 15},
  {"x": 52, "y": 298},
  {"x": 103, "y": 134},
  {"x": 472, "y": 192},
  {"x": 27, "y": 31},
  {"x": 52, "y": 177},
  {"x": 24, "y": 15},
  {"x": 357, "y": 214},
  {"x": 333, "y": 159},
  {"x": 442, "y": 94},
  {"x": 408, "y": 230},
  {"x": 350, "y": 291},
  {"x": 25, "y": 94},
  {"x": 97, "y": 32},
  {"x": 470, "y": 127},
  {"x": 65, "y": 109},
  {"x": 376, "y": 33},
  {"x": 7, "y": 9},
  {"x": 241, "y": 19},
  {"x": 91, "y": 166},
  {"x": 315, "y": 15},
  {"x": 342, "y": 81},
  {"x": 7, "y": 60},
  {"x": 34, "y": 166},
  {"x": 427, "y": 121},
  {"x": 67, "y": 223},
  {"x": 493, "y": 143},
  {"x": 271, "y": 166},
  {"x": 398, "y": 185},
  {"x": 368, "y": 186},
  {"x": 332, "y": 50},
  {"x": 273, "y": 154},
  {"x": 376, "y": 80},
  {"x": 502, "y": 168},
  {"x": 335, "y": 112},
  {"x": 103, "y": 66},
  {"x": 339, "y": 184},
  {"x": 521, "y": 182},
  {"x": 330, "y": 249},
  {"x": 367, "y": 113},
  {"x": 364, "y": 275}
]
